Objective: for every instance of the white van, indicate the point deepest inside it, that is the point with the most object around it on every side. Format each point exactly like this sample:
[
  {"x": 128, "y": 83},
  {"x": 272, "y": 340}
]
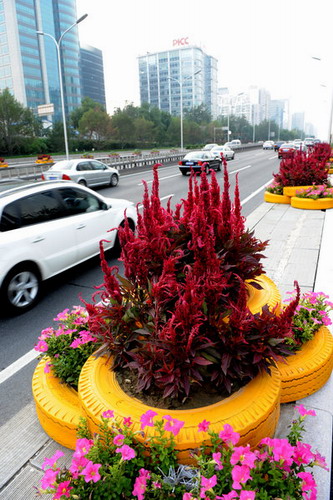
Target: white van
[{"x": 236, "y": 143}]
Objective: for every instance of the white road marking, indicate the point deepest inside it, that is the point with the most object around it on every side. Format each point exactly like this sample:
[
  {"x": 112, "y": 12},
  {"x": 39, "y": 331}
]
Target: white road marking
[
  {"x": 256, "y": 192},
  {"x": 272, "y": 157},
  {"x": 161, "y": 179},
  {"x": 240, "y": 169},
  {"x": 163, "y": 198},
  {"x": 18, "y": 365}
]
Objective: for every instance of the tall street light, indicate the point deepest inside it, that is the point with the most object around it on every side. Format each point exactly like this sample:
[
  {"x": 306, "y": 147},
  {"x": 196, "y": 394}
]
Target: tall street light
[
  {"x": 331, "y": 110},
  {"x": 180, "y": 83},
  {"x": 58, "y": 43}
]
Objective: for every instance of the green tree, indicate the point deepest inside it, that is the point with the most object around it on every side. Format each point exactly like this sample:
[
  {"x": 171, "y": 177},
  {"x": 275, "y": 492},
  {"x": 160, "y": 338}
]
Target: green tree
[
  {"x": 16, "y": 122},
  {"x": 144, "y": 131},
  {"x": 124, "y": 127},
  {"x": 198, "y": 114},
  {"x": 95, "y": 124},
  {"x": 86, "y": 105}
]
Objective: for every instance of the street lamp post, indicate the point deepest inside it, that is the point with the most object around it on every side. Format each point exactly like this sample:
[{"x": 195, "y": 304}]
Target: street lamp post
[
  {"x": 57, "y": 44},
  {"x": 180, "y": 83},
  {"x": 331, "y": 109}
]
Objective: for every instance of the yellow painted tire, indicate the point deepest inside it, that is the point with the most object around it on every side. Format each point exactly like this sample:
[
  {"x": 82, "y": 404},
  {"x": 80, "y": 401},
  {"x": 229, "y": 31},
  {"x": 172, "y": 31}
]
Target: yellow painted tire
[
  {"x": 330, "y": 170},
  {"x": 269, "y": 294},
  {"x": 309, "y": 204},
  {"x": 57, "y": 406},
  {"x": 253, "y": 411},
  {"x": 307, "y": 371},
  {"x": 291, "y": 190},
  {"x": 276, "y": 198}
]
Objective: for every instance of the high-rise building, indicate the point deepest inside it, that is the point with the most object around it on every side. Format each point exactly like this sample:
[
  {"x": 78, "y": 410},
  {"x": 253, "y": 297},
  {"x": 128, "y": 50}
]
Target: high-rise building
[
  {"x": 163, "y": 75},
  {"x": 28, "y": 62},
  {"x": 297, "y": 121},
  {"x": 92, "y": 74}
]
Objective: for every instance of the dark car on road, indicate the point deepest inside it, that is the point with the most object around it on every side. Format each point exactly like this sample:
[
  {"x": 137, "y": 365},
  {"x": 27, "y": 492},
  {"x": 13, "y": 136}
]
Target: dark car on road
[{"x": 196, "y": 160}]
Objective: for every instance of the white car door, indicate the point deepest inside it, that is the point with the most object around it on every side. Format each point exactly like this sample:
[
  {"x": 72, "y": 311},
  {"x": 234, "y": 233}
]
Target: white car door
[
  {"x": 92, "y": 221},
  {"x": 45, "y": 235}
]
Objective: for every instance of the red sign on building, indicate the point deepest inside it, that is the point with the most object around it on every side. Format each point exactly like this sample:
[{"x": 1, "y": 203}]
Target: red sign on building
[{"x": 180, "y": 41}]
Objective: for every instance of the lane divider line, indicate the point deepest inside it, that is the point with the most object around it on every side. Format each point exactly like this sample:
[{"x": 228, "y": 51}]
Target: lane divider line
[
  {"x": 18, "y": 365},
  {"x": 252, "y": 195}
]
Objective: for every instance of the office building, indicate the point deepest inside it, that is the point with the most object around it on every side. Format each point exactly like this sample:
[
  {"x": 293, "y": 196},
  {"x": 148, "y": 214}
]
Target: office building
[
  {"x": 92, "y": 74},
  {"x": 297, "y": 121},
  {"x": 28, "y": 62},
  {"x": 163, "y": 75}
]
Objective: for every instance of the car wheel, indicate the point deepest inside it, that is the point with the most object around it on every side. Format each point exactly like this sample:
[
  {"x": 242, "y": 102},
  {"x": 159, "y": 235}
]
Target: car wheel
[
  {"x": 207, "y": 169},
  {"x": 82, "y": 182},
  {"x": 116, "y": 249},
  {"x": 21, "y": 288},
  {"x": 114, "y": 180},
  {"x": 183, "y": 172},
  {"x": 219, "y": 167}
]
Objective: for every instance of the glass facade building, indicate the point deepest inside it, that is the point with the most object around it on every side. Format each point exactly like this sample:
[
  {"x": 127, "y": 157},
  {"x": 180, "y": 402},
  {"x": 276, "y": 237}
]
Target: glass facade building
[
  {"x": 28, "y": 62},
  {"x": 163, "y": 75},
  {"x": 92, "y": 74}
]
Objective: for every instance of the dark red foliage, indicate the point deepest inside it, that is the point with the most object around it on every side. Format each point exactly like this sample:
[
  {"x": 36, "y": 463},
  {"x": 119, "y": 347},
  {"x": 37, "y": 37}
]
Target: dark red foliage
[
  {"x": 305, "y": 169},
  {"x": 185, "y": 273}
]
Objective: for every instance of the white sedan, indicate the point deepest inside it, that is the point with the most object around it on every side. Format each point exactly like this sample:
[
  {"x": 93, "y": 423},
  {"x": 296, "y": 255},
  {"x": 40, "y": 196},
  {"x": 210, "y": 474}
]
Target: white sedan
[
  {"x": 84, "y": 171},
  {"x": 268, "y": 145},
  {"x": 48, "y": 227},
  {"x": 228, "y": 153}
]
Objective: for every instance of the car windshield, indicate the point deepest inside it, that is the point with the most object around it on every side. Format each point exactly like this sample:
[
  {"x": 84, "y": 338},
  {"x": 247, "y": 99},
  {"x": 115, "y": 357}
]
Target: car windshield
[
  {"x": 197, "y": 155},
  {"x": 62, "y": 165}
]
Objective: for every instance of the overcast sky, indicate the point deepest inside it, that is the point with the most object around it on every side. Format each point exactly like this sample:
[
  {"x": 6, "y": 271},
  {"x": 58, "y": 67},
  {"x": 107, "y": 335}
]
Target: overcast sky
[{"x": 257, "y": 42}]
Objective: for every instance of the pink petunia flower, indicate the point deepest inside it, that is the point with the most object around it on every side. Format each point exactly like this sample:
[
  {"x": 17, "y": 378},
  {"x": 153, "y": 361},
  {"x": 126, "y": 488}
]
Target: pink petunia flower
[
  {"x": 203, "y": 426},
  {"x": 244, "y": 455},
  {"x": 303, "y": 453},
  {"x": 173, "y": 425},
  {"x": 119, "y": 439},
  {"x": 140, "y": 484},
  {"x": 77, "y": 466},
  {"x": 156, "y": 485},
  {"x": 127, "y": 453},
  {"x": 108, "y": 414},
  {"x": 240, "y": 474},
  {"x": 207, "y": 484},
  {"x": 63, "y": 490},
  {"x": 228, "y": 435},
  {"x": 127, "y": 421},
  {"x": 217, "y": 459},
  {"x": 304, "y": 412},
  {"x": 82, "y": 447},
  {"x": 320, "y": 461},
  {"x": 47, "y": 367},
  {"x": 283, "y": 451},
  {"x": 49, "y": 479},
  {"x": 41, "y": 346},
  {"x": 228, "y": 496},
  {"x": 49, "y": 462},
  {"x": 90, "y": 472},
  {"x": 146, "y": 419},
  {"x": 247, "y": 495},
  {"x": 62, "y": 316},
  {"x": 308, "y": 482}
]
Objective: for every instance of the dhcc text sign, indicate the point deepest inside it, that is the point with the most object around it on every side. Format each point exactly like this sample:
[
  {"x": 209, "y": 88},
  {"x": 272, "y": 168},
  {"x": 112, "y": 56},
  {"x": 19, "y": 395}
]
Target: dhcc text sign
[{"x": 180, "y": 41}]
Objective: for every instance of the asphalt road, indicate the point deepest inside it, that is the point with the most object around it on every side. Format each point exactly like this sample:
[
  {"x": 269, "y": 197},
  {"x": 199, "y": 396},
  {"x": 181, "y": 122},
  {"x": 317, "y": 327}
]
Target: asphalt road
[{"x": 19, "y": 334}]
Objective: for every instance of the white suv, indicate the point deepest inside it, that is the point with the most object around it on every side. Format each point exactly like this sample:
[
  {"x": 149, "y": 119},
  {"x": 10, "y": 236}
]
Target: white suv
[{"x": 48, "y": 227}]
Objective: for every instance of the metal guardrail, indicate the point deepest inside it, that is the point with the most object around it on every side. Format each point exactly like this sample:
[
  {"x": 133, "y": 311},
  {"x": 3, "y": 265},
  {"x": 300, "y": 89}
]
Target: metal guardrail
[{"x": 34, "y": 171}]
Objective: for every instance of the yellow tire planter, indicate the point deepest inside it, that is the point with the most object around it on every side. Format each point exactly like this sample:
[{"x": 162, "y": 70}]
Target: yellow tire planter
[
  {"x": 276, "y": 198},
  {"x": 253, "y": 411},
  {"x": 57, "y": 406},
  {"x": 291, "y": 190},
  {"x": 307, "y": 371},
  {"x": 309, "y": 204},
  {"x": 268, "y": 295}
]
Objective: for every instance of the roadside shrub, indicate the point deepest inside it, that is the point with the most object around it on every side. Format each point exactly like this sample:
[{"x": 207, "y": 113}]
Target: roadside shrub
[
  {"x": 179, "y": 318},
  {"x": 302, "y": 170}
]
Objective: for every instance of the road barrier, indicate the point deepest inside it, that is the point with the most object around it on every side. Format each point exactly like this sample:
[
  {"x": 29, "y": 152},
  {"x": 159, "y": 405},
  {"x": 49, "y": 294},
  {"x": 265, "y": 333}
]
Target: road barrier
[{"x": 34, "y": 171}]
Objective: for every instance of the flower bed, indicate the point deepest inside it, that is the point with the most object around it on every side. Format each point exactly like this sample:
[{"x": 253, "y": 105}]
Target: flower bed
[
  {"x": 113, "y": 464},
  {"x": 313, "y": 198}
]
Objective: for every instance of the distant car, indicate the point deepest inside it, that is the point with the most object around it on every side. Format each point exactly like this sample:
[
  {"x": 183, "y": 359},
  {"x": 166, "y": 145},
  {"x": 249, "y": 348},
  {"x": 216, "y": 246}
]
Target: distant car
[
  {"x": 234, "y": 144},
  {"x": 277, "y": 145},
  {"x": 228, "y": 153},
  {"x": 286, "y": 150},
  {"x": 268, "y": 145},
  {"x": 84, "y": 171},
  {"x": 198, "y": 159},
  {"x": 301, "y": 146},
  {"x": 209, "y": 147},
  {"x": 48, "y": 227}
]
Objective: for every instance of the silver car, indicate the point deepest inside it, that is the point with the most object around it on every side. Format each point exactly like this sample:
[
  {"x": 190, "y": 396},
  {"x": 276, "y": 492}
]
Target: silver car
[
  {"x": 228, "y": 153},
  {"x": 83, "y": 171}
]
